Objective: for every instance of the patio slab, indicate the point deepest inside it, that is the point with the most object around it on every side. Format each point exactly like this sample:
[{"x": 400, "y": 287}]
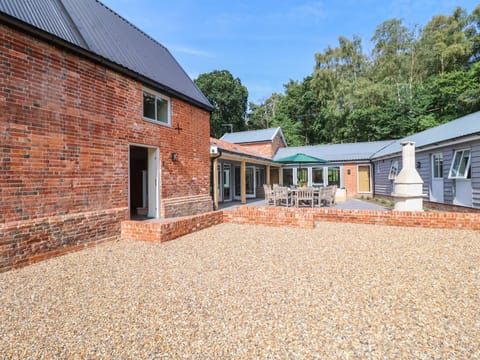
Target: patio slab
[{"x": 232, "y": 291}]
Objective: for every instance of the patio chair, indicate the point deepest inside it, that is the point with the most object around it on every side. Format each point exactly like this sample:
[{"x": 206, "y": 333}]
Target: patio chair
[
  {"x": 304, "y": 196},
  {"x": 282, "y": 196},
  {"x": 269, "y": 195},
  {"x": 330, "y": 195}
]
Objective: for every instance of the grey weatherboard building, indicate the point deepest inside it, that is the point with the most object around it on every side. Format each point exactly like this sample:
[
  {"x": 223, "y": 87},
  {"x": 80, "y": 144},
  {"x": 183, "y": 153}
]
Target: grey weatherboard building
[{"x": 447, "y": 159}]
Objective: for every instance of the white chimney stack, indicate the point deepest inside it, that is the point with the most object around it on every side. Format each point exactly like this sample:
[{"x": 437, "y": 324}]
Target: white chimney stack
[{"x": 408, "y": 184}]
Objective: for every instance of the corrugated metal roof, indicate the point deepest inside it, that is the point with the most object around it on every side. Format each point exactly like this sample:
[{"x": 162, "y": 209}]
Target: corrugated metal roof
[
  {"x": 94, "y": 27},
  {"x": 464, "y": 126},
  {"x": 336, "y": 152},
  {"x": 252, "y": 135}
]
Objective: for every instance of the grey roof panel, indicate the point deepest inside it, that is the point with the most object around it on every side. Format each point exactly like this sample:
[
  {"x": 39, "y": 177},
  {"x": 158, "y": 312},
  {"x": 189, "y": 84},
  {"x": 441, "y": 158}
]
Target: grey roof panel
[
  {"x": 47, "y": 15},
  {"x": 93, "y": 26},
  {"x": 464, "y": 126},
  {"x": 251, "y": 136},
  {"x": 336, "y": 152}
]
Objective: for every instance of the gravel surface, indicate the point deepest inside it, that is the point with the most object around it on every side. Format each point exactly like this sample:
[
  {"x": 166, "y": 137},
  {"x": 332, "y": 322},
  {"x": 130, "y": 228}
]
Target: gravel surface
[{"x": 233, "y": 291}]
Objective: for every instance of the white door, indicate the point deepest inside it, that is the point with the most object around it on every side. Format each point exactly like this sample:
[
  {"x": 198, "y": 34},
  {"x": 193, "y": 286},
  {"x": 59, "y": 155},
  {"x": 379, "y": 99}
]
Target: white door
[
  {"x": 436, "y": 187},
  {"x": 463, "y": 192}
]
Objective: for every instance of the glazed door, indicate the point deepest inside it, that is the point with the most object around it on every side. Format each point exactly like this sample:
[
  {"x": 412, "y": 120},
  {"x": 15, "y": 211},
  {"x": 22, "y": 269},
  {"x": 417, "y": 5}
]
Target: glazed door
[{"x": 436, "y": 188}]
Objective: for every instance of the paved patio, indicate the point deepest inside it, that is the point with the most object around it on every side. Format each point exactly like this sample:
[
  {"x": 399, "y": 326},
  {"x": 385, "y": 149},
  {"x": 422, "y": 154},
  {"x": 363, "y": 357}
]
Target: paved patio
[
  {"x": 354, "y": 204},
  {"x": 232, "y": 291}
]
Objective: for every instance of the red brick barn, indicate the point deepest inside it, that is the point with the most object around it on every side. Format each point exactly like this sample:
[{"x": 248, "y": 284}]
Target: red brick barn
[{"x": 98, "y": 123}]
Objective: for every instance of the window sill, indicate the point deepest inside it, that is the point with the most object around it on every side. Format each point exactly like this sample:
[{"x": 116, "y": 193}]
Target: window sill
[{"x": 157, "y": 122}]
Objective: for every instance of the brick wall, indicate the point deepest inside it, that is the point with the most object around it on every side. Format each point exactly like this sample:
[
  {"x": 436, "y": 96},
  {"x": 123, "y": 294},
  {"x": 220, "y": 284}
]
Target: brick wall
[
  {"x": 66, "y": 124},
  {"x": 166, "y": 230},
  {"x": 266, "y": 148},
  {"x": 26, "y": 242},
  {"x": 276, "y": 216},
  {"x": 350, "y": 181}
]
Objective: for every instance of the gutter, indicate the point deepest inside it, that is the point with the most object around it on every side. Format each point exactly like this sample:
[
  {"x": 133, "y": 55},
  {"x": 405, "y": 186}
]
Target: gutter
[{"x": 53, "y": 39}]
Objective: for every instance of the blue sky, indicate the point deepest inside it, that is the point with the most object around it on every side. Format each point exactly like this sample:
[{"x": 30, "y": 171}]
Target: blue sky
[{"x": 266, "y": 43}]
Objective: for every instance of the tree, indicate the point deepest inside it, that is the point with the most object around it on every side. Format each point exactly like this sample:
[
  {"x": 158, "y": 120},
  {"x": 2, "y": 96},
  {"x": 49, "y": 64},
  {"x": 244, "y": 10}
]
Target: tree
[{"x": 228, "y": 97}]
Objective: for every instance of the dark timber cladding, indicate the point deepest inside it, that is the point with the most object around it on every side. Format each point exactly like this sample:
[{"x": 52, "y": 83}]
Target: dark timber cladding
[{"x": 91, "y": 26}]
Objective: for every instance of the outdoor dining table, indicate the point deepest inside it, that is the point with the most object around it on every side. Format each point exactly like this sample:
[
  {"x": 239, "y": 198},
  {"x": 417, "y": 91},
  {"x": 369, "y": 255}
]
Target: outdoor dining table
[{"x": 293, "y": 192}]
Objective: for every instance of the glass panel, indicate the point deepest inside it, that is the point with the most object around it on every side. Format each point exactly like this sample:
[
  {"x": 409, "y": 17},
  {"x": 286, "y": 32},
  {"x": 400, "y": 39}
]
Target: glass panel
[
  {"x": 162, "y": 110},
  {"x": 237, "y": 181},
  {"x": 437, "y": 166},
  {"x": 393, "y": 170},
  {"x": 334, "y": 176},
  {"x": 302, "y": 177},
  {"x": 464, "y": 163},
  {"x": 317, "y": 177},
  {"x": 287, "y": 177},
  {"x": 226, "y": 182},
  {"x": 250, "y": 180},
  {"x": 260, "y": 175},
  {"x": 456, "y": 164},
  {"x": 461, "y": 164},
  {"x": 148, "y": 106}
]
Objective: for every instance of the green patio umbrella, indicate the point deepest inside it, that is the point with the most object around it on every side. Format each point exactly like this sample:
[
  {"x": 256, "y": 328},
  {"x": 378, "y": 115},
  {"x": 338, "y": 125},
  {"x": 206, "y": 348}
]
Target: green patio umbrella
[{"x": 300, "y": 158}]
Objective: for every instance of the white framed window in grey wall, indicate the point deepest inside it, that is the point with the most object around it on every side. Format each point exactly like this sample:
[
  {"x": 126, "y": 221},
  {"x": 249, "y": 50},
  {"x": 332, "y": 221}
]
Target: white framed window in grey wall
[{"x": 460, "y": 168}]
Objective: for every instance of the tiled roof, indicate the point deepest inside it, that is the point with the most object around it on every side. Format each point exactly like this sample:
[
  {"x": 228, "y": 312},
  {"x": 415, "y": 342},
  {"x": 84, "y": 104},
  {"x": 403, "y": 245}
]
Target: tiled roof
[
  {"x": 336, "y": 152},
  {"x": 237, "y": 149},
  {"x": 252, "y": 136},
  {"x": 464, "y": 126},
  {"x": 91, "y": 26}
]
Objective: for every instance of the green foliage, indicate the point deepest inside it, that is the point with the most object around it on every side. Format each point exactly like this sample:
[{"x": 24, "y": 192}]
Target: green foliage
[
  {"x": 228, "y": 97},
  {"x": 414, "y": 79}
]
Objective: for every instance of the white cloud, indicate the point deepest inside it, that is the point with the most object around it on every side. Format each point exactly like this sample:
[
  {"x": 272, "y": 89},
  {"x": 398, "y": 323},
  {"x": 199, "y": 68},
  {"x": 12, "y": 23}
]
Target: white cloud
[{"x": 190, "y": 51}]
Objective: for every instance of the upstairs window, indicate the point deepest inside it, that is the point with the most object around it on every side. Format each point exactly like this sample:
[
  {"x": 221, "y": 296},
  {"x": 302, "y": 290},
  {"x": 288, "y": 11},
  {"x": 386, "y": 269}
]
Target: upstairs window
[
  {"x": 460, "y": 168},
  {"x": 156, "y": 107}
]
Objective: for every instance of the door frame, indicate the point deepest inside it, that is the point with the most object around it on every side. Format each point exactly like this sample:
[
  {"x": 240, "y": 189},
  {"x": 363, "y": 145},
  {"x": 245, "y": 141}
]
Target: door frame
[
  {"x": 436, "y": 196},
  {"x": 153, "y": 176},
  {"x": 249, "y": 196},
  {"x": 370, "y": 185}
]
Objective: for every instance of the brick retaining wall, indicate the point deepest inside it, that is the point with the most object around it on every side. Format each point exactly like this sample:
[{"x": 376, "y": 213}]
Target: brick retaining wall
[
  {"x": 306, "y": 218},
  {"x": 26, "y": 242},
  {"x": 166, "y": 230}
]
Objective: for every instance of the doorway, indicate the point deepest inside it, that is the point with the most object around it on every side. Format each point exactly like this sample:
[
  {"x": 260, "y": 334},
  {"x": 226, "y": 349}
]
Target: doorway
[
  {"x": 249, "y": 180},
  {"x": 436, "y": 189},
  {"x": 143, "y": 182},
  {"x": 364, "y": 179}
]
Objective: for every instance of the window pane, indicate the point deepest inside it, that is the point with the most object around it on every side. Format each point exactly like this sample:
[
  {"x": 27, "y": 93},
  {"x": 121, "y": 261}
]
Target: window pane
[
  {"x": 317, "y": 177},
  {"x": 437, "y": 166},
  {"x": 334, "y": 176},
  {"x": 302, "y": 176},
  {"x": 287, "y": 177},
  {"x": 462, "y": 172},
  {"x": 456, "y": 164},
  {"x": 162, "y": 110},
  {"x": 148, "y": 106}
]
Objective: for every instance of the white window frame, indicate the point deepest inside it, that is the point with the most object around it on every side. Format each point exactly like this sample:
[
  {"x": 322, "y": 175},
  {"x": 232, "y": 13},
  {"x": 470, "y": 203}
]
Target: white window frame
[
  {"x": 161, "y": 97},
  {"x": 456, "y": 175},
  {"x": 392, "y": 174}
]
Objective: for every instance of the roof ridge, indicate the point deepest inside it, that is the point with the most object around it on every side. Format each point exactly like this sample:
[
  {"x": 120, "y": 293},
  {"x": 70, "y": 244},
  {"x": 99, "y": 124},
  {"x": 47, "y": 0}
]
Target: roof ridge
[{"x": 136, "y": 28}]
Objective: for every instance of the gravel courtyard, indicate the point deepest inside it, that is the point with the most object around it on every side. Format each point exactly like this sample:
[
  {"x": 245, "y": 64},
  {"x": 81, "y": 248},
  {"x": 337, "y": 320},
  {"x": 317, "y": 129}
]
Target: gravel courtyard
[{"x": 231, "y": 291}]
